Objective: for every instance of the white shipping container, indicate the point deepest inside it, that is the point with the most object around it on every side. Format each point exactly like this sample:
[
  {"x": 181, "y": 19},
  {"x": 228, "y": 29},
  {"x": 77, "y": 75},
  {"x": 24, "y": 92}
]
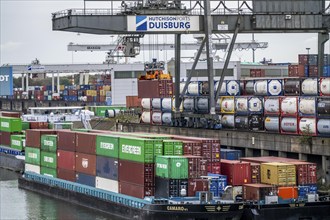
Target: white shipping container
[
  {"x": 146, "y": 117},
  {"x": 146, "y": 103},
  {"x": 289, "y": 105},
  {"x": 32, "y": 168},
  {"x": 272, "y": 105},
  {"x": 156, "y": 103},
  {"x": 194, "y": 88},
  {"x": 309, "y": 86},
  {"x": 307, "y": 105},
  {"x": 241, "y": 104},
  {"x": 307, "y": 125},
  {"x": 260, "y": 87},
  {"x": 233, "y": 88},
  {"x": 106, "y": 184},
  {"x": 274, "y": 87},
  {"x": 325, "y": 86}
]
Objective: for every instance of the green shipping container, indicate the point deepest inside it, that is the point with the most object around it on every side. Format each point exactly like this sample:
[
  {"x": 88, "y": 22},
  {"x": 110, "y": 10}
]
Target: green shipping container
[
  {"x": 48, "y": 159},
  {"x": 174, "y": 167},
  {"x": 17, "y": 141},
  {"x": 9, "y": 124},
  {"x": 25, "y": 125},
  {"x": 49, "y": 143},
  {"x": 65, "y": 125},
  {"x": 158, "y": 148},
  {"x": 48, "y": 172},
  {"x": 32, "y": 155},
  {"x": 173, "y": 147},
  {"x": 136, "y": 149},
  {"x": 107, "y": 145}
]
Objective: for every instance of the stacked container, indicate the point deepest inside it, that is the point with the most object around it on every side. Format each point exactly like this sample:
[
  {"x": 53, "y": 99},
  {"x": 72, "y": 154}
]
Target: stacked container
[
  {"x": 218, "y": 183},
  {"x": 289, "y": 115},
  {"x": 279, "y": 174},
  {"x": 17, "y": 141},
  {"x": 230, "y": 154},
  {"x": 48, "y": 155},
  {"x": 238, "y": 173},
  {"x": 8, "y": 127}
]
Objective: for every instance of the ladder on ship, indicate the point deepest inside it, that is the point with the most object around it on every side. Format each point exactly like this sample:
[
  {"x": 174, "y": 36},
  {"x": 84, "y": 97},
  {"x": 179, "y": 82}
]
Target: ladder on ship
[{"x": 86, "y": 122}]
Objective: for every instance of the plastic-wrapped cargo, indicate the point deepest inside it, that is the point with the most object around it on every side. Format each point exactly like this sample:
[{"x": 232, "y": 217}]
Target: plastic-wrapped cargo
[
  {"x": 289, "y": 125},
  {"x": 307, "y": 126},
  {"x": 241, "y": 105},
  {"x": 272, "y": 106},
  {"x": 309, "y": 86},
  {"x": 289, "y": 106},
  {"x": 272, "y": 123},
  {"x": 323, "y": 127},
  {"x": 307, "y": 106},
  {"x": 227, "y": 104},
  {"x": 238, "y": 173},
  {"x": 279, "y": 174}
]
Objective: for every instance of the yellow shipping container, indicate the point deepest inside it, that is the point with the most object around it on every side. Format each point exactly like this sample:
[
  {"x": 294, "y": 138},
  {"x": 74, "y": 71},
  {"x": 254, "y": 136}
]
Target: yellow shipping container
[
  {"x": 107, "y": 88},
  {"x": 103, "y": 92},
  {"x": 62, "y": 87},
  {"x": 280, "y": 174},
  {"x": 91, "y": 92}
]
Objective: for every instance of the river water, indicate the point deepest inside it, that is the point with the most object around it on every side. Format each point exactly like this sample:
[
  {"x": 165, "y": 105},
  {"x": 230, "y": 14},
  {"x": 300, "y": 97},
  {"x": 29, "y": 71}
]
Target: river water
[{"x": 17, "y": 204}]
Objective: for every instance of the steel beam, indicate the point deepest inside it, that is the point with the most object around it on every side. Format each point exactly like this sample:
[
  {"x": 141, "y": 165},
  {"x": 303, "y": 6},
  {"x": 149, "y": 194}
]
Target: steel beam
[
  {"x": 323, "y": 37},
  {"x": 177, "y": 71}
]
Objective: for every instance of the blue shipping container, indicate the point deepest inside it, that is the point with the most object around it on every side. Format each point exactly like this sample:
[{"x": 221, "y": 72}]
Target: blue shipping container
[
  {"x": 326, "y": 71},
  {"x": 306, "y": 189},
  {"x": 85, "y": 179},
  {"x": 230, "y": 154},
  {"x": 218, "y": 184},
  {"x": 107, "y": 167}
]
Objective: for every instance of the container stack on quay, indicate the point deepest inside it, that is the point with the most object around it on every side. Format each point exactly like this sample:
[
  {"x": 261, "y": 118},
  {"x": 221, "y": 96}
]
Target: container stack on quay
[
  {"x": 99, "y": 93},
  {"x": 298, "y": 106},
  {"x": 307, "y": 66}
]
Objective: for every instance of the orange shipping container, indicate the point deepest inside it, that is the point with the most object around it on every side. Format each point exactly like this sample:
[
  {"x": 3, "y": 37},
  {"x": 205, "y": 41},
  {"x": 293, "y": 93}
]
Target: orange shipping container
[
  {"x": 288, "y": 192},
  {"x": 133, "y": 102}
]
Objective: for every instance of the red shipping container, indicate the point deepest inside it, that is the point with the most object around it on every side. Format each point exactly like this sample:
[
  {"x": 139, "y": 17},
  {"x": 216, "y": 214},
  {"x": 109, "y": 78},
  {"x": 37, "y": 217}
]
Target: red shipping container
[
  {"x": 214, "y": 167},
  {"x": 86, "y": 142},
  {"x": 238, "y": 173},
  {"x": 11, "y": 114},
  {"x": 66, "y": 160},
  {"x": 268, "y": 159},
  {"x": 192, "y": 148},
  {"x": 33, "y": 136},
  {"x": 303, "y": 59},
  {"x": 154, "y": 88},
  {"x": 38, "y": 125},
  {"x": 288, "y": 192},
  {"x": 64, "y": 174},
  {"x": 197, "y": 185},
  {"x": 133, "y": 102},
  {"x": 305, "y": 172},
  {"x": 197, "y": 166},
  {"x": 301, "y": 71},
  {"x": 66, "y": 140},
  {"x": 137, "y": 173},
  {"x": 86, "y": 163},
  {"x": 138, "y": 191},
  {"x": 293, "y": 70},
  {"x": 313, "y": 70},
  {"x": 5, "y": 138},
  {"x": 256, "y": 192},
  {"x": 255, "y": 173}
]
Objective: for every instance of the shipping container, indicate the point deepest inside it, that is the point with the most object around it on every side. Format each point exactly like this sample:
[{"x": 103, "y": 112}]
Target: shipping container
[
  {"x": 32, "y": 168},
  {"x": 32, "y": 155},
  {"x": 242, "y": 122},
  {"x": 174, "y": 167},
  {"x": 49, "y": 143},
  {"x": 307, "y": 106},
  {"x": 323, "y": 127},
  {"x": 107, "y": 145},
  {"x": 197, "y": 166},
  {"x": 166, "y": 188},
  {"x": 227, "y": 104},
  {"x": 279, "y": 174},
  {"x": 323, "y": 107},
  {"x": 306, "y": 189},
  {"x": 192, "y": 148},
  {"x": 197, "y": 185},
  {"x": 305, "y": 172},
  {"x": 255, "y": 105},
  {"x": 39, "y": 125},
  {"x": 241, "y": 105},
  {"x": 292, "y": 87},
  {"x": 272, "y": 123},
  {"x": 133, "y": 102},
  {"x": 107, "y": 184},
  {"x": 138, "y": 191},
  {"x": 289, "y": 125},
  {"x": 86, "y": 143},
  {"x": 9, "y": 124},
  {"x": 155, "y": 88},
  {"x": 136, "y": 173},
  {"x": 86, "y": 163},
  {"x": 256, "y": 122},
  {"x": 10, "y": 114},
  {"x": 173, "y": 147},
  {"x": 238, "y": 173},
  {"x": 136, "y": 149},
  {"x": 214, "y": 167},
  {"x": 64, "y": 174},
  {"x": 25, "y": 125},
  {"x": 325, "y": 85},
  {"x": 85, "y": 179},
  {"x": 66, "y": 160},
  {"x": 48, "y": 172},
  {"x": 66, "y": 140},
  {"x": 107, "y": 167},
  {"x": 230, "y": 154},
  {"x": 48, "y": 159},
  {"x": 33, "y": 137},
  {"x": 287, "y": 192},
  {"x": 307, "y": 126},
  {"x": 255, "y": 172},
  {"x": 272, "y": 106},
  {"x": 289, "y": 106},
  {"x": 17, "y": 141},
  {"x": 257, "y": 192},
  {"x": 218, "y": 183}
]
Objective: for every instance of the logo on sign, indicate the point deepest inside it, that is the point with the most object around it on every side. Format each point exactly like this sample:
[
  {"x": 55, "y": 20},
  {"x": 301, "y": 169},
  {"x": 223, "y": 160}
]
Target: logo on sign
[
  {"x": 16, "y": 142},
  {"x": 108, "y": 146},
  {"x": 129, "y": 149},
  {"x": 32, "y": 155},
  {"x": 162, "y": 166},
  {"x": 84, "y": 163},
  {"x": 4, "y": 78},
  {"x": 5, "y": 124},
  {"x": 48, "y": 143},
  {"x": 49, "y": 159},
  {"x": 141, "y": 23},
  {"x": 178, "y": 164}
]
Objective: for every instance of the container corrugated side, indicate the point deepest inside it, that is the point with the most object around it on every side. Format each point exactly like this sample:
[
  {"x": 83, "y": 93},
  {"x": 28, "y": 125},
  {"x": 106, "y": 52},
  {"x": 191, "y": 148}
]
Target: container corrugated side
[
  {"x": 66, "y": 160},
  {"x": 86, "y": 142},
  {"x": 33, "y": 136},
  {"x": 238, "y": 173},
  {"x": 280, "y": 174},
  {"x": 136, "y": 149},
  {"x": 86, "y": 163},
  {"x": 136, "y": 173},
  {"x": 138, "y": 191},
  {"x": 257, "y": 192},
  {"x": 107, "y": 167},
  {"x": 48, "y": 159},
  {"x": 107, "y": 184},
  {"x": 48, "y": 172},
  {"x": 174, "y": 167},
  {"x": 32, "y": 155},
  {"x": 32, "y": 168},
  {"x": 173, "y": 147},
  {"x": 66, "y": 140},
  {"x": 85, "y": 179},
  {"x": 17, "y": 141},
  {"x": 10, "y": 124},
  {"x": 107, "y": 145},
  {"x": 49, "y": 143},
  {"x": 64, "y": 174}
]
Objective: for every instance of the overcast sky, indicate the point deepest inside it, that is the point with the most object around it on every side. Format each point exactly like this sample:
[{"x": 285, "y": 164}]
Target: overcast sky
[{"x": 26, "y": 34}]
